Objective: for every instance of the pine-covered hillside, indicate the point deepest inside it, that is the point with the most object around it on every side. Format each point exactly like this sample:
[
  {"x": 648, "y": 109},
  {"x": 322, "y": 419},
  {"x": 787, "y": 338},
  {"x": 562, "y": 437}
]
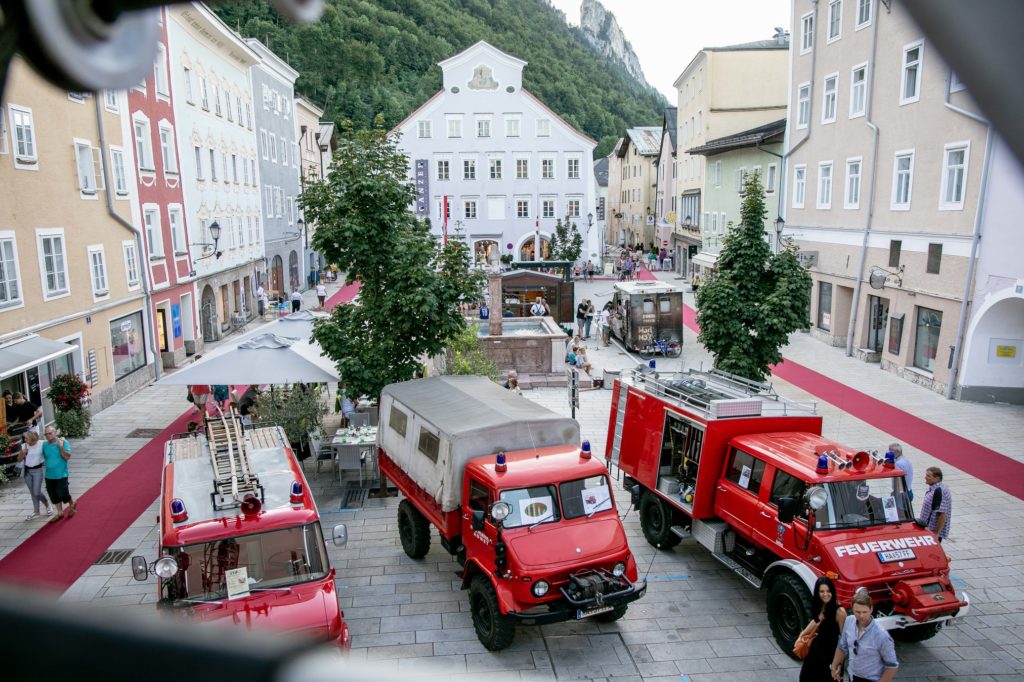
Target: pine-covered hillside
[{"x": 366, "y": 57}]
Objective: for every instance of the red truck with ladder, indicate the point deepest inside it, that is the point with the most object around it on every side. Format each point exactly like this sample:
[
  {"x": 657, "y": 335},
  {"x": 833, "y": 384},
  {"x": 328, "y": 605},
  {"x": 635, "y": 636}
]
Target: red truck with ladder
[
  {"x": 522, "y": 506},
  {"x": 748, "y": 475},
  {"x": 240, "y": 537}
]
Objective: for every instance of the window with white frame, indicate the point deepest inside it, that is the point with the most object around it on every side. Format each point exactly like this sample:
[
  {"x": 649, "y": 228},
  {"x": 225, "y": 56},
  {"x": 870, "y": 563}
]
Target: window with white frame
[
  {"x": 264, "y": 144},
  {"x": 741, "y": 178},
  {"x": 954, "y": 175},
  {"x": 903, "y": 180},
  {"x": 803, "y": 105},
  {"x": 835, "y": 19},
  {"x": 851, "y": 197},
  {"x": 828, "y": 98},
  {"x": 204, "y": 94},
  {"x": 227, "y": 106},
  {"x": 512, "y": 126},
  {"x": 10, "y": 286},
  {"x": 110, "y": 101},
  {"x": 863, "y": 13},
  {"x": 272, "y": 143},
  {"x": 177, "y": 225},
  {"x": 468, "y": 169},
  {"x": 718, "y": 174},
  {"x": 248, "y": 115},
  {"x": 522, "y": 169},
  {"x": 284, "y": 152},
  {"x": 268, "y": 200},
  {"x": 131, "y": 264},
  {"x": 24, "y": 137},
  {"x": 807, "y": 33},
  {"x": 86, "y": 166},
  {"x": 469, "y": 209},
  {"x": 143, "y": 144},
  {"x": 543, "y": 127},
  {"x": 3, "y": 131},
  {"x": 424, "y": 129},
  {"x": 799, "y": 185},
  {"x": 160, "y": 71},
  {"x": 154, "y": 238},
  {"x": 522, "y": 208},
  {"x": 770, "y": 179},
  {"x": 186, "y": 74},
  {"x": 910, "y": 81},
  {"x": 279, "y": 202},
  {"x": 858, "y": 89},
  {"x": 483, "y": 127},
  {"x": 824, "y": 198},
  {"x": 572, "y": 208},
  {"x": 573, "y": 168},
  {"x": 54, "y": 265},
  {"x": 547, "y": 208},
  {"x": 199, "y": 161},
  {"x": 443, "y": 169},
  {"x": 216, "y": 100},
  {"x": 455, "y": 127},
  {"x": 98, "y": 271},
  {"x": 547, "y": 169},
  {"x": 495, "y": 169},
  {"x": 167, "y": 154}
]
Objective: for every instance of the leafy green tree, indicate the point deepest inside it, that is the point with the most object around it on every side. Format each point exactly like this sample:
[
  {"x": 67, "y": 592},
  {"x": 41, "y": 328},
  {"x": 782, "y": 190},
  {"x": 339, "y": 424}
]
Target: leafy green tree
[
  {"x": 566, "y": 241},
  {"x": 750, "y": 305},
  {"x": 411, "y": 287},
  {"x": 464, "y": 355}
]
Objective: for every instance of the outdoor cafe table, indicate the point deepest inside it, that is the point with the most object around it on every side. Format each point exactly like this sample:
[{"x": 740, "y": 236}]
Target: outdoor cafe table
[{"x": 349, "y": 445}]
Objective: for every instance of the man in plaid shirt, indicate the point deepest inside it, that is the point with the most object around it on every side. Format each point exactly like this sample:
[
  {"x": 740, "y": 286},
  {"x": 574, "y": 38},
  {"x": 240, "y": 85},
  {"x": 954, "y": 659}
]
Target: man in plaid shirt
[{"x": 937, "y": 510}]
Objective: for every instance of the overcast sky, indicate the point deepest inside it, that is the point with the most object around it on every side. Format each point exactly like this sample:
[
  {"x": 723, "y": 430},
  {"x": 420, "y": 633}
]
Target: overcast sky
[{"x": 666, "y": 34}]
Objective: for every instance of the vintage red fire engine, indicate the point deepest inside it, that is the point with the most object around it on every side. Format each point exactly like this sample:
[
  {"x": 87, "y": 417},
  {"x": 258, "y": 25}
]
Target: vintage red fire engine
[
  {"x": 240, "y": 538},
  {"x": 515, "y": 498},
  {"x": 748, "y": 475}
]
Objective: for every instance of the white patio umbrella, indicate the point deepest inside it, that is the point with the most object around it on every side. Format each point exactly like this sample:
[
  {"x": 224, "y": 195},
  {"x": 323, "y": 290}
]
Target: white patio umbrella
[
  {"x": 297, "y": 325},
  {"x": 261, "y": 359}
]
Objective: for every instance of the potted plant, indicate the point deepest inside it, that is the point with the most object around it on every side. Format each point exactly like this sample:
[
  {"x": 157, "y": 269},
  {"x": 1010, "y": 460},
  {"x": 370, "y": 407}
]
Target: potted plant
[{"x": 68, "y": 395}]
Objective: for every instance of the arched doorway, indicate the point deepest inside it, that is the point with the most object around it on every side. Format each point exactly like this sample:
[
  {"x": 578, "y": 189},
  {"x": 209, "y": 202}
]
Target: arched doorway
[
  {"x": 993, "y": 357},
  {"x": 294, "y": 274},
  {"x": 208, "y": 314},
  {"x": 486, "y": 252},
  {"x": 526, "y": 249},
  {"x": 277, "y": 276}
]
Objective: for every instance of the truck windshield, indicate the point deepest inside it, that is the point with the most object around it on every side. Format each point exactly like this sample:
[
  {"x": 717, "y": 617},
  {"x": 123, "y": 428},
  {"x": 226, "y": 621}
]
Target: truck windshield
[
  {"x": 270, "y": 560},
  {"x": 530, "y": 506},
  {"x": 871, "y": 502},
  {"x": 585, "y": 496}
]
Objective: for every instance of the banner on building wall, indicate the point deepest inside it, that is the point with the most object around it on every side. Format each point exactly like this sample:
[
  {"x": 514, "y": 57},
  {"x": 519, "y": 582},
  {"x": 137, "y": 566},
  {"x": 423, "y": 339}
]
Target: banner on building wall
[
  {"x": 600, "y": 208},
  {"x": 422, "y": 188},
  {"x": 176, "y": 319}
]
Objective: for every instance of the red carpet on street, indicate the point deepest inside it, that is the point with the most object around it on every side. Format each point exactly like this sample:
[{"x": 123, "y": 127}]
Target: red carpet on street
[{"x": 59, "y": 553}]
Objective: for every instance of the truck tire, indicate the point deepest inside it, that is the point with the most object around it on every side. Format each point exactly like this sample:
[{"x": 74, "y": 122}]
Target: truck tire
[
  {"x": 917, "y": 633},
  {"x": 789, "y": 610},
  {"x": 494, "y": 630},
  {"x": 613, "y": 615},
  {"x": 656, "y": 521},
  {"x": 413, "y": 530}
]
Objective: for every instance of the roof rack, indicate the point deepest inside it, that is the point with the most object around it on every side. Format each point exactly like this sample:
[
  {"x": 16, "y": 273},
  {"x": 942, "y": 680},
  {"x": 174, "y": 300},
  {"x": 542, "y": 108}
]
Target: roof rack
[
  {"x": 716, "y": 394},
  {"x": 233, "y": 476}
]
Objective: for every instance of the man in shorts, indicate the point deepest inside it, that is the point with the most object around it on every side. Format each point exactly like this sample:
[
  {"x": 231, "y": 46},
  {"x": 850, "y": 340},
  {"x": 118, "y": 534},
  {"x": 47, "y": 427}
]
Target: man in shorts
[{"x": 56, "y": 453}]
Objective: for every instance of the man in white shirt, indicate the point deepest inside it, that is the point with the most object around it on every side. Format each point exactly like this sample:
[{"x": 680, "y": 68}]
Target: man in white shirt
[
  {"x": 321, "y": 293},
  {"x": 261, "y": 299},
  {"x": 296, "y": 301}
]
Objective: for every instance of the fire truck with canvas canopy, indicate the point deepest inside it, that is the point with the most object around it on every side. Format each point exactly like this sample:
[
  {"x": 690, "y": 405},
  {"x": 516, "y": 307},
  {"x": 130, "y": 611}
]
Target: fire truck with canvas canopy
[
  {"x": 748, "y": 475},
  {"x": 240, "y": 537}
]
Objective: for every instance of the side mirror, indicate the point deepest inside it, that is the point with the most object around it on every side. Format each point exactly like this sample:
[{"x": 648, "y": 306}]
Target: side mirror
[
  {"x": 634, "y": 496},
  {"x": 340, "y": 535},
  {"x": 787, "y": 508},
  {"x": 477, "y": 521},
  {"x": 140, "y": 570}
]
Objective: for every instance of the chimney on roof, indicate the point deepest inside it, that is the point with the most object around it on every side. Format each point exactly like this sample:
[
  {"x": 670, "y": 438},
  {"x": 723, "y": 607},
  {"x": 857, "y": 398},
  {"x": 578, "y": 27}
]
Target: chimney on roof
[{"x": 781, "y": 36}]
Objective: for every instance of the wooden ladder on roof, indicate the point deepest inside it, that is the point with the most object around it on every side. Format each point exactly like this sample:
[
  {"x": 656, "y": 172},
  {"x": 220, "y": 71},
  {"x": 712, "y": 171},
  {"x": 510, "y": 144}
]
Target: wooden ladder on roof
[{"x": 233, "y": 476}]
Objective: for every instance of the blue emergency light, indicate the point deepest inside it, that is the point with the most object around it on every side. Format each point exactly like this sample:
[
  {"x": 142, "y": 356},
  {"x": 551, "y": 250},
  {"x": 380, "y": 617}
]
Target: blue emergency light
[
  {"x": 499, "y": 462},
  {"x": 585, "y": 450},
  {"x": 822, "y": 467},
  {"x": 178, "y": 511}
]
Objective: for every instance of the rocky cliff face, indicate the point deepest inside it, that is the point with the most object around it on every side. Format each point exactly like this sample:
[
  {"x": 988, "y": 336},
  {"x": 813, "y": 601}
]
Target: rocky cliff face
[{"x": 602, "y": 31}]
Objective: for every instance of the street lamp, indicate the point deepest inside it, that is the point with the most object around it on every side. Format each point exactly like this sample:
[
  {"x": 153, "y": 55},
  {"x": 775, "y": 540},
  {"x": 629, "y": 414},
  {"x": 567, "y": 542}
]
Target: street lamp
[
  {"x": 215, "y": 234},
  {"x": 780, "y": 225}
]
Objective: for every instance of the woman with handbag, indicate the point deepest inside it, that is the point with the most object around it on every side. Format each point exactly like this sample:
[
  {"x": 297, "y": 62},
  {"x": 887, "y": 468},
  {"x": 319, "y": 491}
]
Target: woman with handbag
[{"x": 819, "y": 639}]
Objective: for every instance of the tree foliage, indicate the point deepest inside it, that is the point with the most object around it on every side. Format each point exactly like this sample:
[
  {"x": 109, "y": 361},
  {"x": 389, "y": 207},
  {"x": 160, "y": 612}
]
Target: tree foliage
[
  {"x": 464, "y": 356},
  {"x": 408, "y": 302},
  {"x": 750, "y": 305},
  {"x": 566, "y": 241},
  {"x": 366, "y": 57}
]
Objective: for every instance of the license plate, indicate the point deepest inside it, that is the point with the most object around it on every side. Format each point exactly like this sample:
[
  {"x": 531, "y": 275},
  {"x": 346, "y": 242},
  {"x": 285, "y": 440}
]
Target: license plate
[
  {"x": 896, "y": 555},
  {"x": 592, "y": 611}
]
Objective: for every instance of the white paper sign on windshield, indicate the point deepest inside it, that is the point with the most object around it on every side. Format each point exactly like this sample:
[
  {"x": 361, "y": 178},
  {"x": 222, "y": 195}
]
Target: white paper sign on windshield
[
  {"x": 889, "y": 505},
  {"x": 745, "y": 477},
  {"x": 596, "y": 499},
  {"x": 534, "y": 509},
  {"x": 237, "y": 580}
]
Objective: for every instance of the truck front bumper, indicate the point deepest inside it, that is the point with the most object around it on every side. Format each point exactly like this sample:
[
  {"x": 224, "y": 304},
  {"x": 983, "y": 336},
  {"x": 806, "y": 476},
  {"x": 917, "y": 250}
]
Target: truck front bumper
[{"x": 572, "y": 607}]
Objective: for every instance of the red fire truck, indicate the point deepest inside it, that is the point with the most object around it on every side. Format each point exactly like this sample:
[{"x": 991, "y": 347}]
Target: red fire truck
[
  {"x": 240, "y": 538},
  {"x": 515, "y": 498},
  {"x": 748, "y": 475}
]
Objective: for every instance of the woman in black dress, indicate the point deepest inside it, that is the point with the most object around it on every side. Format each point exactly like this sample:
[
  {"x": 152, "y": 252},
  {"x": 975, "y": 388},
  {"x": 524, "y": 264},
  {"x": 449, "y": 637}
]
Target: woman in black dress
[{"x": 829, "y": 617}]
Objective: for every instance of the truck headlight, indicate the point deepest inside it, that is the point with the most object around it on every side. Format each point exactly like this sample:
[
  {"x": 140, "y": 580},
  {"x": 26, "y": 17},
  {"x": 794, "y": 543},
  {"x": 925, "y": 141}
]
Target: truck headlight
[
  {"x": 540, "y": 588},
  {"x": 619, "y": 569},
  {"x": 166, "y": 567}
]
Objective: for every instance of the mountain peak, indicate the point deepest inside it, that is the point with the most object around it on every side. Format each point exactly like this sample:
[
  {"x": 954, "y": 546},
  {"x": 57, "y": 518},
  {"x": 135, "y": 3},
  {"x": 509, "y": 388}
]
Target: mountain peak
[{"x": 601, "y": 30}]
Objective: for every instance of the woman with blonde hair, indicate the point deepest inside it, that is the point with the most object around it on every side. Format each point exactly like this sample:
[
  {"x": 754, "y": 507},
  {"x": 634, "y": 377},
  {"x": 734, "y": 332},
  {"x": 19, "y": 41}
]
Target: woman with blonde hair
[{"x": 32, "y": 458}]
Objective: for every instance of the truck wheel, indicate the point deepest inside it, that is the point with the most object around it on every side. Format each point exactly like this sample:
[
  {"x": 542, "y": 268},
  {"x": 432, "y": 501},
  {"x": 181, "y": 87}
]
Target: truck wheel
[
  {"x": 917, "y": 633},
  {"x": 613, "y": 615},
  {"x": 789, "y": 610},
  {"x": 656, "y": 522},
  {"x": 494, "y": 629},
  {"x": 413, "y": 530}
]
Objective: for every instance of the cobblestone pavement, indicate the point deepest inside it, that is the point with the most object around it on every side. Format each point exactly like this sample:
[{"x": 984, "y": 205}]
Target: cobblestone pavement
[{"x": 698, "y": 621}]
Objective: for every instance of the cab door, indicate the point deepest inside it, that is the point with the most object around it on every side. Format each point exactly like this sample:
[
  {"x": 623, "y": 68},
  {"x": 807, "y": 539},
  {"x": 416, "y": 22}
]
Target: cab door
[
  {"x": 769, "y": 531},
  {"x": 738, "y": 491},
  {"x": 479, "y": 544}
]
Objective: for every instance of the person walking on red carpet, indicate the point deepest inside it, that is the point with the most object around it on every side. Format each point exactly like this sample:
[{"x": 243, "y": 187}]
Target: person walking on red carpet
[
  {"x": 200, "y": 396},
  {"x": 56, "y": 453}
]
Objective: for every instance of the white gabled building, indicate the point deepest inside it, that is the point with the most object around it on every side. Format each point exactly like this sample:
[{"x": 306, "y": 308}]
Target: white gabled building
[{"x": 508, "y": 164}]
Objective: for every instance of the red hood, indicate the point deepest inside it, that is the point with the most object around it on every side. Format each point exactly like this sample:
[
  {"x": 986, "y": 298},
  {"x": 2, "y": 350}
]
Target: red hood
[
  {"x": 556, "y": 546},
  {"x": 854, "y": 552},
  {"x": 310, "y": 608}
]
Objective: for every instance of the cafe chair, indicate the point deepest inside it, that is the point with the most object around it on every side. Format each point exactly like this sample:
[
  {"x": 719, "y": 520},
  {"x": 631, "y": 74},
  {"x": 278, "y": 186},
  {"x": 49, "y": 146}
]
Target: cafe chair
[
  {"x": 359, "y": 419},
  {"x": 320, "y": 449}
]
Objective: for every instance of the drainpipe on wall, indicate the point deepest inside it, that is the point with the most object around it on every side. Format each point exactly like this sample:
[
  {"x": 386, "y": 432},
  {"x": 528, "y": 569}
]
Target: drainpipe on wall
[
  {"x": 870, "y": 212},
  {"x": 954, "y": 372},
  {"x": 140, "y": 252}
]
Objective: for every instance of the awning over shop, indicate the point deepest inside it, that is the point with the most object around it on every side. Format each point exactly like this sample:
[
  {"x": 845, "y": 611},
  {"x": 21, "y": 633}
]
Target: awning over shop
[
  {"x": 18, "y": 356},
  {"x": 705, "y": 259}
]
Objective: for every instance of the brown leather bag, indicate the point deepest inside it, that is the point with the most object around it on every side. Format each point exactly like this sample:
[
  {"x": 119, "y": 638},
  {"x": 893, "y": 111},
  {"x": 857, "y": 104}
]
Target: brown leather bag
[{"x": 802, "y": 647}]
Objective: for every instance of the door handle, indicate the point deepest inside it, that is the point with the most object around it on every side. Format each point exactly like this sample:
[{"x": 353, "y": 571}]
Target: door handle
[
  {"x": 721, "y": 489},
  {"x": 766, "y": 515}
]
